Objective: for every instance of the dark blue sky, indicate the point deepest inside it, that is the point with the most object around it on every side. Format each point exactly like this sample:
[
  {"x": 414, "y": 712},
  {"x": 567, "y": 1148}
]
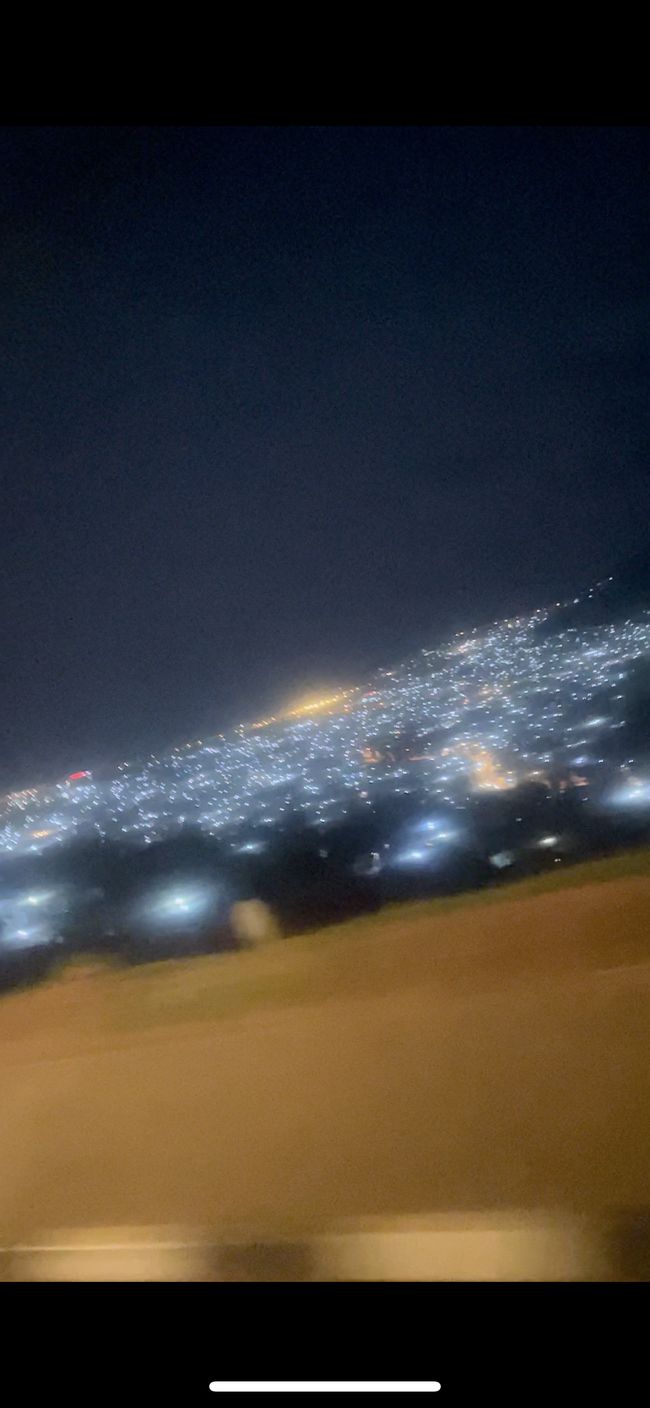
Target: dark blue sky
[{"x": 278, "y": 404}]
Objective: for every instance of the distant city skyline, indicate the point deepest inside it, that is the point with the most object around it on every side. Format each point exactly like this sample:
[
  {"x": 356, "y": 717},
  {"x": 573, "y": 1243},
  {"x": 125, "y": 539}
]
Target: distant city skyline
[
  {"x": 481, "y": 712},
  {"x": 284, "y": 706}
]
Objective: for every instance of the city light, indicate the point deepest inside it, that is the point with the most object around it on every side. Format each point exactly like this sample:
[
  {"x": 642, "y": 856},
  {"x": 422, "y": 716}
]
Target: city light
[
  {"x": 33, "y": 936},
  {"x": 479, "y": 715},
  {"x": 172, "y": 906},
  {"x": 413, "y": 856},
  {"x": 635, "y": 794}
]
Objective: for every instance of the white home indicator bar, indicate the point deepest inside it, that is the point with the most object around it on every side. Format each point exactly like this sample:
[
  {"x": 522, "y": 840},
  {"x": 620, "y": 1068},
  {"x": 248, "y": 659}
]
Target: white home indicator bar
[{"x": 354, "y": 1386}]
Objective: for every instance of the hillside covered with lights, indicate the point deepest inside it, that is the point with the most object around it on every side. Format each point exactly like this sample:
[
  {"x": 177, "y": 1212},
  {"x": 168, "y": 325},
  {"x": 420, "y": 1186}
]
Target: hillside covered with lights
[{"x": 559, "y": 695}]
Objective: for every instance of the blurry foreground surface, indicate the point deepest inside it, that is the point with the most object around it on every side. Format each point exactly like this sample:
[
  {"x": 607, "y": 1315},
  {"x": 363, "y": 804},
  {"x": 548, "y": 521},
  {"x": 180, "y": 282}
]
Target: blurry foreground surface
[
  {"x": 447, "y": 1247},
  {"x": 461, "y": 1072}
]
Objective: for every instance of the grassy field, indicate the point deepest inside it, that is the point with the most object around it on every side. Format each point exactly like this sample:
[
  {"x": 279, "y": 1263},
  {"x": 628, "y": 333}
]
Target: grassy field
[{"x": 364, "y": 954}]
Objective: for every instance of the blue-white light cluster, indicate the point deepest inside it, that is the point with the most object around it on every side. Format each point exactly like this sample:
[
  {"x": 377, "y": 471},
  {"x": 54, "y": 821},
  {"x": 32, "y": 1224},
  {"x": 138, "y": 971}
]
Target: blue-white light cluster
[
  {"x": 30, "y": 919},
  {"x": 178, "y": 906},
  {"x": 479, "y": 714}
]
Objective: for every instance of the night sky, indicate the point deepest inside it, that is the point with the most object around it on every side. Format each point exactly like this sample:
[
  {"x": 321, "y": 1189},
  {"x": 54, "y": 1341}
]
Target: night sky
[{"x": 280, "y": 404}]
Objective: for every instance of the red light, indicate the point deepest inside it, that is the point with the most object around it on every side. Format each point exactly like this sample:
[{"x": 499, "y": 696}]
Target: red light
[{"x": 74, "y": 776}]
